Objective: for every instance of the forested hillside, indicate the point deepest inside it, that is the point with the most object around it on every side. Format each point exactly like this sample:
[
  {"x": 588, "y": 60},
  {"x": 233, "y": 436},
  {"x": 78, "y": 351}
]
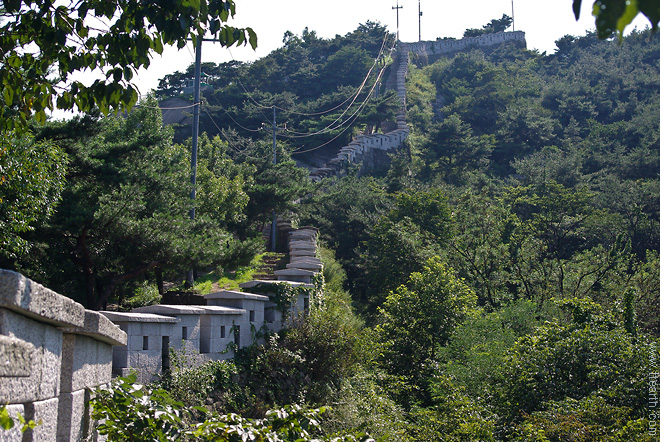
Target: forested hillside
[
  {"x": 508, "y": 262},
  {"x": 322, "y": 90},
  {"x": 500, "y": 282}
]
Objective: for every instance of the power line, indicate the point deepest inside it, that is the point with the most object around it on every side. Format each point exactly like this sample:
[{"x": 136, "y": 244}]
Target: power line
[
  {"x": 232, "y": 119},
  {"x": 229, "y": 143},
  {"x": 167, "y": 108},
  {"x": 355, "y": 115},
  {"x": 380, "y": 53},
  {"x": 263, "y": 106}
]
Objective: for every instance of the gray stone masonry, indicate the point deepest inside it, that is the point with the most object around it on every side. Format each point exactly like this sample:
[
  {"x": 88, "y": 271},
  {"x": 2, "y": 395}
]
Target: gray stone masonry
[
  {"x": 209, "y": 332},
  {"x": 295, "y": 274},
  {"x": 185, "y": 333},
  {"x": 306, "y": 265},
  {"x": 52, "y": 352},
  {"x": 15, "y": 357},
  {"x": 301, "y": 245},
  {"x": 216, "y": 330},
  {"x": 143, "y": 352},
  {"x": 302, "y": 252},
  {"x": 253, "y": 304}
]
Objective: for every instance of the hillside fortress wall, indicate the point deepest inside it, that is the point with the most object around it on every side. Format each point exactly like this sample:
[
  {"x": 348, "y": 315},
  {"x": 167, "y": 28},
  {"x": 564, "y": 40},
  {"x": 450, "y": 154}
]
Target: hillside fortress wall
[
  {"x": 369, "y": 150},
  {"x": 53, "y": 352},
  {"x": 444, "y": 47}
]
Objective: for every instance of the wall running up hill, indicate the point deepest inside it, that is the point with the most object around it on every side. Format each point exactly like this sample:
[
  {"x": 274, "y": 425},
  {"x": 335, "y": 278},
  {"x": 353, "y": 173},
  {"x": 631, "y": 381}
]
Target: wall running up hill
[{"x": 368, "y": 151}]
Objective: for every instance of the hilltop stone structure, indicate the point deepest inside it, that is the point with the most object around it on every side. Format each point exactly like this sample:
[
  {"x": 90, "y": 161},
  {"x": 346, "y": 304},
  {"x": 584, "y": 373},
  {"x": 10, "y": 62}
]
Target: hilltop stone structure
[{"x": 435, "y": 49}]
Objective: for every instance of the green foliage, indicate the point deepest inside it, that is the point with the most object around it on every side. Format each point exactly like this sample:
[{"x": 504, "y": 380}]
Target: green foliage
[
  {"x": 125, "y": 207},
  {"x": 67, "y": 39},
  {"x": 403, "y": 241},
  {"x": 193, "y": 385},
  {"x": 130, "y": 411},
  {"x": 291, "y": 423},
  {"x": 305, "y": 362},
  {"x": 7, "y": 422},
  {"x": 344, "y": 214},
  {"x": 451, "y": 149},
  {"x": 221, "y": 184},
  {"x": 477, "y": 348},
  {"x": 31, "y": 182},
  {"x": 419, "y": 317},
  {"x": 615, "y": 15},
  {"x": 362, "y": 403},
  {"x": 588, "y": 356},
  {"x": 494, "y": 25},
  {"x": 479, "y": 248},
  {"x": 145, "y": 294},
  {"x": 231, "y": 278},
  {"x": 452, "y": 417},
  {"x": 283, "y": 295},
  {"x": 588, "y": 419}
]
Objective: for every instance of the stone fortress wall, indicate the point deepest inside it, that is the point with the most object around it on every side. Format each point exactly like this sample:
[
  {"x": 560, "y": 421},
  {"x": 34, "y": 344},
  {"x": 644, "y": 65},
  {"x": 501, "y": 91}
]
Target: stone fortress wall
[
  {"x": 366, "y": 150},
  {"x": 443, "y": 47},
  {"x": 369, "y": 150},
  {"x": 230, "y": 319},
  {"x": 54, "y": 353}
]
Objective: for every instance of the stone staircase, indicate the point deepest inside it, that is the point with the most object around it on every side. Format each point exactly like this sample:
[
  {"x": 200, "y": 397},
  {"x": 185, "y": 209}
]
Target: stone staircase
[{"x": 271, "y": 263}]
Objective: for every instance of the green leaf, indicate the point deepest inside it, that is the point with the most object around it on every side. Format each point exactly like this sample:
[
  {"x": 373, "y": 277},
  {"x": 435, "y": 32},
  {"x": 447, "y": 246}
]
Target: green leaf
[
  {"x": 6, "y": 422},
  {"x": 252, "y": 37},
  {"x": 12, "y": 5},
  {"x": 651, "y": 10},
  {"x": 628, "y": 16},
  {"x": 576, "y": 8},
  {"x": 8, "y": 94}
]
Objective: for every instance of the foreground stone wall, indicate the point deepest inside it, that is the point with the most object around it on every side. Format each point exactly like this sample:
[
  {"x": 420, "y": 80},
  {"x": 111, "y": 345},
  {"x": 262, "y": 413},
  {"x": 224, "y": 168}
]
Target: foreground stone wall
[{"x": 52, "y": 353}]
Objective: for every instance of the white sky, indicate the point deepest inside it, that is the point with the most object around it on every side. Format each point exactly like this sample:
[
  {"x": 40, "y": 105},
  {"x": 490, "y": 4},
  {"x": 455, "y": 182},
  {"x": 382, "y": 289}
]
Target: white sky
[{"x": 542, "y": 21}]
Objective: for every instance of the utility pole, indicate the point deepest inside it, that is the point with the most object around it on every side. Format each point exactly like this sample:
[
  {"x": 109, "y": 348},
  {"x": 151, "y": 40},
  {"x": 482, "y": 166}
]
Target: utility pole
[
  {"x": 397, "y": 7},
  {"x": 190, "y": 280},
  {"x": 419, "y": 7},
  {"x": 513, "y": 17},
  {"x": 273, "y": 229}
]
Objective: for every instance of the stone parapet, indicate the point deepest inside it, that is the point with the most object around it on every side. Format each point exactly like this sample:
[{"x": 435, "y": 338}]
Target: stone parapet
[{"x": 53, "y": 352}]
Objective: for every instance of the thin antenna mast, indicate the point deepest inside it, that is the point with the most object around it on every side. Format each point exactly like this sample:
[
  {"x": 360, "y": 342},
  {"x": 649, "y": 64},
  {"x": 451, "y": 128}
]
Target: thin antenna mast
[
  {"x": 513, "y": 17},
  {"x": 397, "y": 7},
  {"x": 190, "y": 280},
  {"x": 419, "y": 6}
]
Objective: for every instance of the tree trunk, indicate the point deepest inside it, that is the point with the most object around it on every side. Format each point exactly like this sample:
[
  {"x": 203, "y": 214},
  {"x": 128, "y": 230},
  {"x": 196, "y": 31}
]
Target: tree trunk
[
  {"x": 83, "y": 258},
  {"x": 159, "y": 280},
  {"x": 118, "y": 279}
]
